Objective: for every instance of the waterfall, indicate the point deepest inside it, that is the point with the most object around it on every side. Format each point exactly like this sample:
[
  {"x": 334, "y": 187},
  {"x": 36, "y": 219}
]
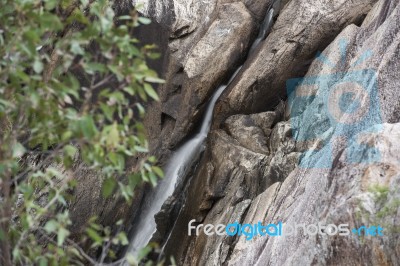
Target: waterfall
[
  {"x": 177, "y": 167},
  {"x": 267, "y": 24},
  {"x": 182, "y": 160},
  {"x": 264, "y": 30}
]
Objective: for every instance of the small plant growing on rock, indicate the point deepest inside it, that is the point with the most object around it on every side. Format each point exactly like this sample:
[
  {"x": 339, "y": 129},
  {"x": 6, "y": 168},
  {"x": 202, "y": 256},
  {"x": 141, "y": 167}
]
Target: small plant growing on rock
[{"x": 385, "y": 206}]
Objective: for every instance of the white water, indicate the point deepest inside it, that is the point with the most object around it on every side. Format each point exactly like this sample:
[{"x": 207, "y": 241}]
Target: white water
[
  {"x": 267, "y": 24},
  {"x": 178, "y": 166},
  {"x": 264, "y": 30},
  {"x": 182, "y": 160}
]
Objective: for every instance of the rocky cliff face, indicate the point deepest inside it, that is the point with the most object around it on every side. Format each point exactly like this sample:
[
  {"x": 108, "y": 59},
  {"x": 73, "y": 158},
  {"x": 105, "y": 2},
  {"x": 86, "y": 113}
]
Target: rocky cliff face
[{"x": 256, "y": 166}]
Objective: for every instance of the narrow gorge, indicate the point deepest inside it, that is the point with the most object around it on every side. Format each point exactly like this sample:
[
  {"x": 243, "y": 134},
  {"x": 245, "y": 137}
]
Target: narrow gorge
[{"x": 249, "y": 170}]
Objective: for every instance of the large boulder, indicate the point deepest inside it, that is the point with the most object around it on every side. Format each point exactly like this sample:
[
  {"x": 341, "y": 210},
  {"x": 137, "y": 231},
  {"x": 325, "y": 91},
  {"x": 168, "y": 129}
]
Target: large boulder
[
  {"x": 195, "y": 66},
  {"x": 301, "y": 30},
  {"x": 362, "y": 195}
]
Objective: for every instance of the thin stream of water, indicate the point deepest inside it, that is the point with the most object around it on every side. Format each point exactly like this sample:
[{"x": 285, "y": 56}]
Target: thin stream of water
[{"x": 182, "y": 160}]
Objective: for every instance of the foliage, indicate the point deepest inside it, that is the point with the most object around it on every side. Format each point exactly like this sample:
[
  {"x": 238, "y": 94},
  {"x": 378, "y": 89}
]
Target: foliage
[
  {"x": 72, "y": 80},
  {"x": 385, "y": 207}
]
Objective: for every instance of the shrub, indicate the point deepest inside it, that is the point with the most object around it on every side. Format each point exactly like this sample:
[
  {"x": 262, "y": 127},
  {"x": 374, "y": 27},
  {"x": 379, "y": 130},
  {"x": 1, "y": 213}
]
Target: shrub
[{"x": 72, "y": 84}]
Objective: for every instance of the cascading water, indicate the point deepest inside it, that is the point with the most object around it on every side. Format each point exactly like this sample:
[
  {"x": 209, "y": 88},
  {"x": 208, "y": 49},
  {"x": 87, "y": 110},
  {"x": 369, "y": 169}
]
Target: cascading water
[
  {"x": 177, "y": 167},
  {"x": 266, "y": 25},
  {"x": 183, "y": 158}
]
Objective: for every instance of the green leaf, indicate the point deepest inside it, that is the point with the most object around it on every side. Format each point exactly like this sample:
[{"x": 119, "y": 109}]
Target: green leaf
[
  {"x": 144, "y": 20},
  {"x": 70, "y": 151},
  {"x": 154, "y": 80},
  {"x": 108, "y": 187},
  {"x": 35, "y": 99},
  {"x": 16, "y": 253},
  {"x": 113, "y": 136},
  {"x": 6, "y": 103},
  {"x": 106, "y": 22},
  {"x": 143, "y": 253},
  {"x": 124, "y": 17},
  {"x": 140, "y": 108},
  {"x": 117, "y": 159},
  {"x": 141, "y": 149},
  {"x": 75, "y": 252},
  {"x": 131, "y": 260},
  {"x": 76, "y": 48},
  {"x": 153, "y": 179},
  {"x": 134, "y": 179},
  {"x": 96, "y": 67},
  {"x": 43, "y": 261},
  {"x": 108, "y": 111},
  {"x": 122, "y": 237},
  {"x": 88, "y": 127},
  {"x": 66, "y": 135},
  {"x": 94, "y": 235},
  {"x": 151, "y": 92},
  {"x": 153, "y": 55},
  {"x": 50, "y": 21},
  {"x": 129, "y": 90},
  {"x": 18, "y": 150},
  {"x": 51, "y": 4},
  {"x": 62, "y": 235},
  {"x": 116, "y": 71},
  {"x": 51, "y": 226},
  {"x": 62, "y": 200},
  {"x": 152, "y": 159},
  {"x": 38, "y": 66},
  {"x": 158, "y": 171}
]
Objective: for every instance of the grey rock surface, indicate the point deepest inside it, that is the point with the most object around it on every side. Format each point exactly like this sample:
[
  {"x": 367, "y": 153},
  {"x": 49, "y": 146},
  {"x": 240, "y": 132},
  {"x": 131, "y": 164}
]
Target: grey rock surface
[
  {"x": 243, "y": 129},
  {"x": 302, "y": 28},
  {"x": 346, "y": 194},
  {"x": 356, "y": 193},
  {"x": 219, "y": 192},
  {"x": 206, "y": 65},
  {"x": 195, "y": 66}
]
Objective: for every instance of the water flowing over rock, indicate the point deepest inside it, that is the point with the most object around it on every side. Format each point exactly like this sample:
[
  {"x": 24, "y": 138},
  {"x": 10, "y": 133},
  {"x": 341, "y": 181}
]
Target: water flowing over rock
[
  {"x": 254, "y": 164},
  {"x": 177, "y": 169},
  {"x": 186, "y": 156}
]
